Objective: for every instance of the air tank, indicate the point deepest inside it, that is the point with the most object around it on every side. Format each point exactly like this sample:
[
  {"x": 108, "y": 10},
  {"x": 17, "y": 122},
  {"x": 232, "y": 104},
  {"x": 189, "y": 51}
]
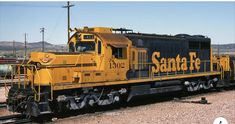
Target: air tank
[{"x": 5, "y": 69}]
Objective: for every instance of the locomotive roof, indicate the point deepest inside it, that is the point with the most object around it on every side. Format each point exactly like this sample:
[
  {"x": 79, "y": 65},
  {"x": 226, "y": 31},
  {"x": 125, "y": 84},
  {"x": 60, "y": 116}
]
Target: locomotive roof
[
  {"x": 175, "y": 37},
  {"x": 116, "y": 40}
]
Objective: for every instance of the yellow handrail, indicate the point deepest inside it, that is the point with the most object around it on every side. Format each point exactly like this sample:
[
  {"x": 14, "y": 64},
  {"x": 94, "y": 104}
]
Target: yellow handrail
[
  {"x": 152, "y": 75},
  {"x": 39, "y": 86},
  {"x": 50, "y": 85},
  {"x": 18, "y": 76}
]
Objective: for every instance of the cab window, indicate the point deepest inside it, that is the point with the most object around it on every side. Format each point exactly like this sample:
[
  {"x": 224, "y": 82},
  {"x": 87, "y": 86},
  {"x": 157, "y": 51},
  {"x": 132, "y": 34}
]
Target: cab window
[
  {"x": 85, "y": 46},
  {"x": 119, "y": 53}
]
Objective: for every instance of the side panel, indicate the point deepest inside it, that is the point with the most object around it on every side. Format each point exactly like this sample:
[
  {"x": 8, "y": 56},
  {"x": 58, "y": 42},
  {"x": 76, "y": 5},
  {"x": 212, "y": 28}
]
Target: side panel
[{"x": 173, "y": 47}]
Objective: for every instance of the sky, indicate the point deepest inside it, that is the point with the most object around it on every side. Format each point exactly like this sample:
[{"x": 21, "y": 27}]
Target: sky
[{"x": 212, "y": 19}]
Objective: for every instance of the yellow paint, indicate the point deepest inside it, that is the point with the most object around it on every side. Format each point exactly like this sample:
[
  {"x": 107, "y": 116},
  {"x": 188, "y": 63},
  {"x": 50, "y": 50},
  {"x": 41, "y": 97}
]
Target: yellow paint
[
  {"x": 174, "y": 64},
  {"x": 224, "y": 61},
  {"x": 194, "y": 62},
  {"x": 184, "y": 66}
]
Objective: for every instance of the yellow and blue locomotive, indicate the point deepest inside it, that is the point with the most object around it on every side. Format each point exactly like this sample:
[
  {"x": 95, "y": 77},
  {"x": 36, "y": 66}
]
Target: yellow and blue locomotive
[{"x": 105, "y": 66}]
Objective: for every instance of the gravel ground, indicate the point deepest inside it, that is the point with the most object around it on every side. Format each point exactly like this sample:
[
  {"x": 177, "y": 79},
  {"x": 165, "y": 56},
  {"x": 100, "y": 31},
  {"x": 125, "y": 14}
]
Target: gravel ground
[
  {"x": 170, "y": 112},
  {"x": 2, "y": 94},
  {"x": 222, "y": 105},
  {"x": 3, "y": 111}
]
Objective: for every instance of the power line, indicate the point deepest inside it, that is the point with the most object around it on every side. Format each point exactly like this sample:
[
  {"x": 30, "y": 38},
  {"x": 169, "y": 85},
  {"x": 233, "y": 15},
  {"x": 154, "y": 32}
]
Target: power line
[{"x": 57, "y": 22}]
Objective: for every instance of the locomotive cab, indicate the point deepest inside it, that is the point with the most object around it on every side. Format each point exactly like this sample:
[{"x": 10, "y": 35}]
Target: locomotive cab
[
  {"x": 94, "y": 57},
  {"x": 111, "y": 51}
]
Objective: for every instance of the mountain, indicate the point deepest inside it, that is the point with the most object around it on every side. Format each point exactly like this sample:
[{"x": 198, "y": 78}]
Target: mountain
[
  {"x": 7, "y": 46},
  {"x": 224, "y": 48}
]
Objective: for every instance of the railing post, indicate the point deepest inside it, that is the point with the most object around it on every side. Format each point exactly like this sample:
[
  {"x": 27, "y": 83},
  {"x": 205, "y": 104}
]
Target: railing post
[
  {"x": 149, "y": 72},
  {"x": 51, "y": 92},
  {"x": 24, "y": 76},
  {"x": 39, "y": 85},
  {"x": 12, "y": 75},
  {"x": 139, "y": 70},
  {"x": 19, "y": 76},
  {"x": 204, "y": 66},
  {"x": 32, "y": 79},
  {"x": 167, "y": 72}
]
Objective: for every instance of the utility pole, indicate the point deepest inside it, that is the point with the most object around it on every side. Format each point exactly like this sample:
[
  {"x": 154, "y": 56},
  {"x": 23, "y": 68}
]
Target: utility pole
[
  {"x": 25, "y": 45},
  {"x": 42, "y": 31},
  {"x": 68, "y": 14},
  {"x": 14, "y": 49}
]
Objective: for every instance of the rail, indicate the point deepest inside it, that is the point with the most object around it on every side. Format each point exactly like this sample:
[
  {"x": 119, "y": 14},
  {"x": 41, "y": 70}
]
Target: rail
[{"x": 14, "y": 119}]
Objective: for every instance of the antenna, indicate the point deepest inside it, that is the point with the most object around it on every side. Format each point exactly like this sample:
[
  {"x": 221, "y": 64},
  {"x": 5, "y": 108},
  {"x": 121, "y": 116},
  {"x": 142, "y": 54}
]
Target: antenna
[{"x": 68, "y": 10}]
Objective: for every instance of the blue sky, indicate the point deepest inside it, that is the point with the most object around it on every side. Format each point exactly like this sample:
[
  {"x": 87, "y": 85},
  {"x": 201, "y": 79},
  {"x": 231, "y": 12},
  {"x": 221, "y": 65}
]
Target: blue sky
[{"x": 213, "y": 19}]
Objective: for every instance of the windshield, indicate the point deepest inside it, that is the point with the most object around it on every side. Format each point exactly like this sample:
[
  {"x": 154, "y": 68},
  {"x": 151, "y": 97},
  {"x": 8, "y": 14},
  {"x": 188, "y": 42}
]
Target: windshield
[{"x": 85, "y": 46}]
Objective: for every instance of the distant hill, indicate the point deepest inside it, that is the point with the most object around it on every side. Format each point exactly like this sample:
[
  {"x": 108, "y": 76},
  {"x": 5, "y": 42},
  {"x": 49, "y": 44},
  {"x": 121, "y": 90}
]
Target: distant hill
[
  {"x": 6, "y": 48},
  {"x": 8, "y": 45},
  {"x": 224, "y": 48}
]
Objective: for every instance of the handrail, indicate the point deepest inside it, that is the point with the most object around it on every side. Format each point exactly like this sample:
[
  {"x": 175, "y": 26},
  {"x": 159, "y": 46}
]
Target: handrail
[
  {"x": 148, "y": 67},
  {"x": 18, "y": 76},
  {"x": 36, "y": 92},
  {"x": 39, "y": 85},
  {"x": 51, "y": 85},
  {"x": 25, "y": 77},
  {"x": 5, "y": 83}
]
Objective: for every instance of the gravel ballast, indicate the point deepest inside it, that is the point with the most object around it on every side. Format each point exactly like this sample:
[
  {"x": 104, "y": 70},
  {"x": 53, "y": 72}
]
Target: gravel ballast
[{"x": 170, "y": 112}]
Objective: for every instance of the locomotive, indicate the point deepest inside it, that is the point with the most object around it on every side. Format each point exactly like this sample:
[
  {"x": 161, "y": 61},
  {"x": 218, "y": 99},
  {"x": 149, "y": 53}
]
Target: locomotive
[{"x": 105, "y": 66}]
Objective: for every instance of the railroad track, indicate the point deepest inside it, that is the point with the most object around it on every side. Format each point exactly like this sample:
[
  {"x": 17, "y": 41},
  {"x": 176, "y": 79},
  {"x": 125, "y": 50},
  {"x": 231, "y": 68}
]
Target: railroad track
[
  {"x": 14, "y": 119},
  {"x": 3, "y": 84},
  {"x": 9, "y": 81},
  {"x": 183, "y": 98},
  {"x": 3, "y": 104}
]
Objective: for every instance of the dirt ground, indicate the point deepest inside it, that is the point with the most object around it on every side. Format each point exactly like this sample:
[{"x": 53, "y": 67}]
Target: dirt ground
[
  {"x": 170, "y": 112},
  {"x": 2, "y": 94},
  {"x": 3, "y": 111}
]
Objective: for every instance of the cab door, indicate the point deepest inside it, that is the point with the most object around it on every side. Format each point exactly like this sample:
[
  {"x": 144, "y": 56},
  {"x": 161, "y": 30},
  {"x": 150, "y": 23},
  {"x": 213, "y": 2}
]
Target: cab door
[{"x": 118, "y": 64}]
